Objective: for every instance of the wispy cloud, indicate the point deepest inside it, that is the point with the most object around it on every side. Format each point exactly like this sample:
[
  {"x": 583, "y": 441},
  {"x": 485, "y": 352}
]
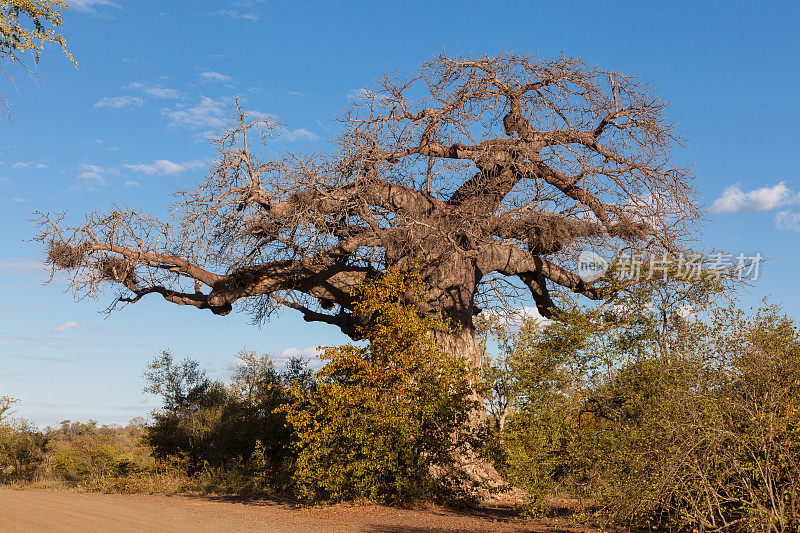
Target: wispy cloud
[
  {"x": 205, "y": 136},
  {"x": 119, "y": 102},
  {"x": 90, "y": 6},
  {"x": 788, "y": 221},
  {"x": 257, "y": 115},
  {"x": 21, "y": 266},
  {"x": 165, "y": 167},
  {"x": 299, "y": 134},
  {"x": 310, "y": 353},
  {"x": 155, "y": 91},
  {"x": 241, "y": 9},
  {"x": 515, "y": 318},
  {"x": 52, "y": 358},
  {"x": 58, "y": 341},
  {"x": 210, "y": 75},
  {"x": 28, "y": 164},
  {"x": 358, "y": 95},
  {"x": 236, "y": 14},
  {"x": 92, "y": 177},
  {"x": 294, "y": 351},
  {"x": 66, "y": 326},
  {"x": 131, "y": 183},
  {"x": 735, "y": 200},
  {"x": 207, "y": 113}
]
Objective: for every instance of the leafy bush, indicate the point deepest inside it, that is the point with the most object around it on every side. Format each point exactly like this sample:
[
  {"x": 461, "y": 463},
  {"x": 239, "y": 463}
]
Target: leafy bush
[
  {"x": 679, "y": 419},
  {"x": 105, "y": 458},
  {"x": 22, "y": 447},
  {"x": 387, "y": 421},
  {"x": 232, "y": 435}
]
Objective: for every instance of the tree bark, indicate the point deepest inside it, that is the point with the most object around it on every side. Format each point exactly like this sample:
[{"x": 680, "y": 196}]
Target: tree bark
[
  {"x": 491, "y": 485},
  {"x": 463, "y": 344}
]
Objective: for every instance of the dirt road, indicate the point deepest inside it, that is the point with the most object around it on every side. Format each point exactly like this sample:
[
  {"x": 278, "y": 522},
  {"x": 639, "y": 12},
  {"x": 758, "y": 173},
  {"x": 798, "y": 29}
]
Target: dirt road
[{"x": 42, "y": 511}]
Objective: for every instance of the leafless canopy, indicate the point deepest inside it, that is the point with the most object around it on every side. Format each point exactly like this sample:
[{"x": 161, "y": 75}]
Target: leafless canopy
[{"x": 489, "y": 173}]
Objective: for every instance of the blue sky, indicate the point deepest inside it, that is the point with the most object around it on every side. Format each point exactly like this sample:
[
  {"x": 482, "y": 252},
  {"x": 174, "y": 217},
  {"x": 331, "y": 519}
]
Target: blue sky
[{"x": 155, "y": 77}]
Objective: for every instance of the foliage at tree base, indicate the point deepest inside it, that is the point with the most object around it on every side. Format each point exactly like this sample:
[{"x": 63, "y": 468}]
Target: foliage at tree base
[{"x": 390, "y": 420}]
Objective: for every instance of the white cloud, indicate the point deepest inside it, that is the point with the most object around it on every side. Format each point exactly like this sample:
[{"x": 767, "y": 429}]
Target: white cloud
[
  {"x": 119, "y": 102},
  {"x": 21, "y": 266},
  {"x": 234, "y": 14},
  {"x": 162, "y": 92},
  {"x": 205, "y": 136},
  {"x": 92, "y": 177},
  {"x": 155, "y": 91},
  {"x": 210, "y": 75},
  {"x": 311, "y": 353},
  {"x": 358, "y": 95},
  {"x": 66, "y": 326},
  {"x": 257, "y": 115},
  {"x": 164, "y": 167},
  {"x": 734, "y": 200},
  {"x": 788, "y": 221},
  {"x": 89, "y": 6},
  {"x": 207, "y": 113},
  {"x": 514, "y": 318},
  {"x": 28, "y": 164},
  {"x": 299, "y": 134},
  {"x": 294, "y": 351},
  {"x": 131, "y": 183}
]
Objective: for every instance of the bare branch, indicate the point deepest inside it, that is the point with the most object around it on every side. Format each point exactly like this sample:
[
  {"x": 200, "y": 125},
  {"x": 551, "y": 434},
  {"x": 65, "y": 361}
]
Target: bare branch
[{"x": 483, "y": 171}]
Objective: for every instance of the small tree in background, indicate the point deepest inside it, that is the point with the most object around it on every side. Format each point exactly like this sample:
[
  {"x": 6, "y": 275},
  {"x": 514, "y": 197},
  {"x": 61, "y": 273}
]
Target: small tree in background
[
  {"x": 387, "y": 421},
  {"x": 231, "y": 434},
  {"x": 21, "y": 445},
  {"x": 181, "y": 385},
  {"x": 6, "y": 402}
]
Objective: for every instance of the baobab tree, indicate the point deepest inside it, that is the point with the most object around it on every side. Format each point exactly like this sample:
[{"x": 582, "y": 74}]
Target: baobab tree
[{"x": 489, "y": 174}]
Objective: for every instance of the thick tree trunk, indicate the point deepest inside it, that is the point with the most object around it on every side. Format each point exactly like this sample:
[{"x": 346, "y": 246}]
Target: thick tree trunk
[{"x": 464, "y": 344}]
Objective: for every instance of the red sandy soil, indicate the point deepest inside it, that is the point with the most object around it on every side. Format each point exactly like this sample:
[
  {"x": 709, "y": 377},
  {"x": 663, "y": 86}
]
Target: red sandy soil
[{"x": 41, "y": 511}]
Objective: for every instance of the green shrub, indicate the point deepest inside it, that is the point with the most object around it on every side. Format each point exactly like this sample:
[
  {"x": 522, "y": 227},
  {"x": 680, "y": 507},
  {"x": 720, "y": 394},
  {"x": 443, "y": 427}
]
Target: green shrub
[
  {"x": 687, "y": 421},
  {"x": 94, "y": 457},
  {"x": 387, "y": 421},
  {"x": 22, "y": 450},
  {"x": 232, "y": 436}
]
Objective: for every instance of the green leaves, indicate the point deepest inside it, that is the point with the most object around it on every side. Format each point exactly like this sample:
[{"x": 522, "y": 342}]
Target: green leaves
[
  {"x": 387, "y": 421},
  {"x": 668, "y": 418}
]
